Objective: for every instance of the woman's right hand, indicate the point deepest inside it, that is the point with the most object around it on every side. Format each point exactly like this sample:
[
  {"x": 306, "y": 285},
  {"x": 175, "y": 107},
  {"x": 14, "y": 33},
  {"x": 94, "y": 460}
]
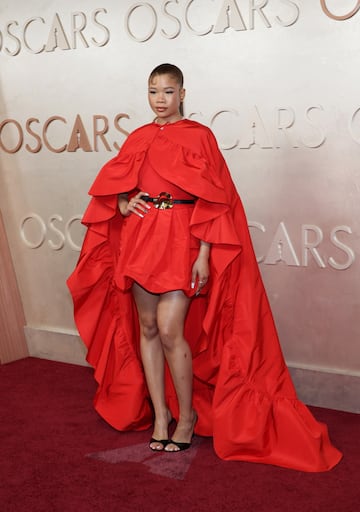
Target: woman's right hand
[{"x": 136, "y": 205}]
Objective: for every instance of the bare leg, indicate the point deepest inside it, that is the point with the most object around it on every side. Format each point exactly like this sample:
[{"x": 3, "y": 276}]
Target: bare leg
[
  {"x": 152, "y": 355},
  {"x": 171, "y": 312}
]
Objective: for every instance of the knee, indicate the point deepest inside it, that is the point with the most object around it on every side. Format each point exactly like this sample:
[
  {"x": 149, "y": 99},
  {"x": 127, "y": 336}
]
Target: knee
[
  {"x": 149, "y": 328},
  {"x": 168, "y": 338}
]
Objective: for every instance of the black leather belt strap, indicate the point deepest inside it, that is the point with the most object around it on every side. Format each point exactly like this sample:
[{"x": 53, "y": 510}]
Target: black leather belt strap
[{"x": 149, "y": 199}]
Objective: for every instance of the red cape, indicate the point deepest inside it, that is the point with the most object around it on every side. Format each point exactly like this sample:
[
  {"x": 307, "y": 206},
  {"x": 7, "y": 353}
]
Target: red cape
[{"x": 243, "y": 392}]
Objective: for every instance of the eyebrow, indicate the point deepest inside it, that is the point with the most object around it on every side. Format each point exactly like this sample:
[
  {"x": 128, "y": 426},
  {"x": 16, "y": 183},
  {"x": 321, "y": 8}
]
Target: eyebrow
[{"x": 165, "y": 88}]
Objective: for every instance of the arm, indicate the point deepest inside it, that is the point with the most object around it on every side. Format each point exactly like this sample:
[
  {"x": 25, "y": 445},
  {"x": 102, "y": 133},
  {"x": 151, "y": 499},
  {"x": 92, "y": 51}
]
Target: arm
[
  {"x": 123, "y": 202},
  {"x": 200, "y": 270}
]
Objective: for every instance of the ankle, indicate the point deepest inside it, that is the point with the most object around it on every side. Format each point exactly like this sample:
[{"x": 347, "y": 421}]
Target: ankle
[
  {"x": 188, "y": 418},
  {"x": 163, "y": 416}
]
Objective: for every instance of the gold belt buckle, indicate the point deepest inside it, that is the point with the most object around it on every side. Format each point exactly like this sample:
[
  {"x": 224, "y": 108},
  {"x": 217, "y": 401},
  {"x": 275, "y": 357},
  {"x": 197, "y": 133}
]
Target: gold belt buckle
[{"x": 163, "y": 201}]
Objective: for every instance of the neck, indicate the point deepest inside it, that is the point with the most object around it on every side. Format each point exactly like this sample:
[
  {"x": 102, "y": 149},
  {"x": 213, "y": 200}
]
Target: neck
[{"x": 159, "y": 120}]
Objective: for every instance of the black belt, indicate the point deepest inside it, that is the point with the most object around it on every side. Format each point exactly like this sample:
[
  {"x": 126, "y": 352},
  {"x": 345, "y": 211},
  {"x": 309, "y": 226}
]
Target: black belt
[{"x": 164, "y": 201}]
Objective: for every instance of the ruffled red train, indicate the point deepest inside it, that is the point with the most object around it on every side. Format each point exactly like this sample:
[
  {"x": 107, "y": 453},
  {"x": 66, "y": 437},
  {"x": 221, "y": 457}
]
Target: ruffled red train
[{"x": 243, "y": 392}]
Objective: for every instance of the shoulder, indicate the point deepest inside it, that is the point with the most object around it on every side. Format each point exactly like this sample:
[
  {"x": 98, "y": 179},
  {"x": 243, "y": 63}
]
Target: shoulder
[
  {"x": 201, "y": 136},
  {"x": 142, "y": 131},
  {"x": 197, "y": 127},
  {"x": 139, "y": 138},
  {"x": 197, "y": 132}
]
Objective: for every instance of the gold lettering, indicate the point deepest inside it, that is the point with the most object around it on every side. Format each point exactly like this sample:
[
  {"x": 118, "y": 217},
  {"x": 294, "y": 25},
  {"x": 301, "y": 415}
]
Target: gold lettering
[
  {"x": 119, "y": 129},
  {"x": 45, "y": 128},
  {"x": 78, "y": 137},
  {"x": 21, "y": 136},
  {"x": 37, "y": 148},
  {"x": 100, "y": 133},
  {"x": 339, "y": 18}
]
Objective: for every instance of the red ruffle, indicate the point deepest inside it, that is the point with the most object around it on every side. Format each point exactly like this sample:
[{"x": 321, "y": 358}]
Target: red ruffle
[{"x": 243, "y": 392}]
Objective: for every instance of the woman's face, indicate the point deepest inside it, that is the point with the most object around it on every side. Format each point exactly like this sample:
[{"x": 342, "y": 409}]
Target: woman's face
[{"x": 165, "y": 96}]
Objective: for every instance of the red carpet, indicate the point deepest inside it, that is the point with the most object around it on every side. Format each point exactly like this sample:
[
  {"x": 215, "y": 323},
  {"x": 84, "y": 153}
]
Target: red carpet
[{"x": 57, "y": 455}]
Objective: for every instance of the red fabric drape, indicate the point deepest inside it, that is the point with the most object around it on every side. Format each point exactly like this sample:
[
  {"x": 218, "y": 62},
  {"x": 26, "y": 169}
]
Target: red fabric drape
[{"x": 243, "y": 392}]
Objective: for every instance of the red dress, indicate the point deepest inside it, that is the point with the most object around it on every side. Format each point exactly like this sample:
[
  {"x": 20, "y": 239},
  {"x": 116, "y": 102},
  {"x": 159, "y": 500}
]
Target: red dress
[
  {"x": 158, "y": 251},
  {"x": 243, "y": 393}
]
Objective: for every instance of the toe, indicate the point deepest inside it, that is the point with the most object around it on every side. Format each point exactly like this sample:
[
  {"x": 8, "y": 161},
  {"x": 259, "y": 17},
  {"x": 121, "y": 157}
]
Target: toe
[{"x": 171, "y": 448}]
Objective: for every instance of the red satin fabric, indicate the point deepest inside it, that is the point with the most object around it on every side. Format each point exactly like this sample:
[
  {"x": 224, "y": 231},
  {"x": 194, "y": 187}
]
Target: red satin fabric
[
  {"x": 158, "y": 251},
  {"x": 243, "y": 392}
]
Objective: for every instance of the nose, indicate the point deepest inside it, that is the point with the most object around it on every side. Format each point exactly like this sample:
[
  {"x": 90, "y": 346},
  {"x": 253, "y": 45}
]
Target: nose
[{"x": 161, "y": 97}]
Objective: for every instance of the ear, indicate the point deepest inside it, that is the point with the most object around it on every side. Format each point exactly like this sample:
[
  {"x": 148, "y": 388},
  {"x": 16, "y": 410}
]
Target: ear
[{"x": 182, "y": 94}]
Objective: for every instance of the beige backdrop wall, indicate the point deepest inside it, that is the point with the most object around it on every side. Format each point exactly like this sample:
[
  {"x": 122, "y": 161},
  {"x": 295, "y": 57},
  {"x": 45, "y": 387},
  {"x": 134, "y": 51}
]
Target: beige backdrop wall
[{"x": 276, "y": 80}]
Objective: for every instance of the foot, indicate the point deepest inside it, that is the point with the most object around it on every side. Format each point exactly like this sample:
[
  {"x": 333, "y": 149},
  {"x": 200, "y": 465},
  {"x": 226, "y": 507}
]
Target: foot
[
  {"x": 181, "y": 439},
  {"x": 158, "y": 445},
  {"x": 176, "y": 446},
  {"x": 160, "y": 437}
]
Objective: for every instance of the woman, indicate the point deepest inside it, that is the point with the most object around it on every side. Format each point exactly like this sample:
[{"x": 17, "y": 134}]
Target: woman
[{"x": 170, "y": 303}]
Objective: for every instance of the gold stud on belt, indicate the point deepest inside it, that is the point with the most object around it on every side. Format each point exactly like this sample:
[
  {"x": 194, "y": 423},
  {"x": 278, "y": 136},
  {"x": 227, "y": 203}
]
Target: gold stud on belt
[{"x": 163, "y": 201}]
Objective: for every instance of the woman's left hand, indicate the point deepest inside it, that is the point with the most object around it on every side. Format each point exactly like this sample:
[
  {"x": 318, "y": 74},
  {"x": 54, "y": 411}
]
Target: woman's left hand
[{"x": 200, "y": 273}]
